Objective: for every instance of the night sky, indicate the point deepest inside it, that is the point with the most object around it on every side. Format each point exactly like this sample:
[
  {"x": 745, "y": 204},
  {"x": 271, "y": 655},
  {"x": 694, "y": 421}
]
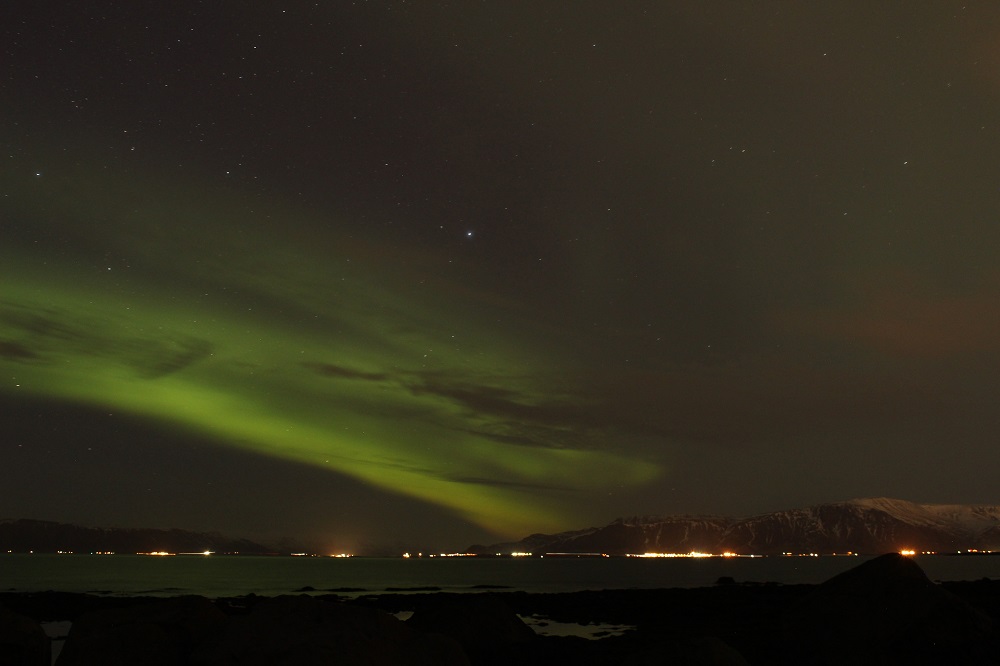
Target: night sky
[{"x": 380, "y": 274}]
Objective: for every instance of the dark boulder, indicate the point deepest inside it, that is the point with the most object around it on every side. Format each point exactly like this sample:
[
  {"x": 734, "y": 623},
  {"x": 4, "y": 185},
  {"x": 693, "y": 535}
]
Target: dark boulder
[
  {"x": 885, "y": 611},
  {"x": 22, "y": 641}
]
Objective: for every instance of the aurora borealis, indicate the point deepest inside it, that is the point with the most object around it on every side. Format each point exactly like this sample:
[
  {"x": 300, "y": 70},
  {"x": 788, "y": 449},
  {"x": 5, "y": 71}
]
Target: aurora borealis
[
  {"x": 433, "y": 274},
  {"x": 363, "y": 379}
]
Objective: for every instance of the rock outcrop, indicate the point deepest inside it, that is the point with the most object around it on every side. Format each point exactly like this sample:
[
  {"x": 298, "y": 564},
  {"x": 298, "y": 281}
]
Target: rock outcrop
[
  {"x": 308, "y": 631},
  {"x": 481, "y": 623},
  {"x": 22, "y": 641},
  {"x": 885, "y": 611},
  {"x": 158, "y": 632}
]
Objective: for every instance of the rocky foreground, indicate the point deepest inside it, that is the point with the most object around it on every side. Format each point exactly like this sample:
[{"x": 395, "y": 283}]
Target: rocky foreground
[{"x": 884, "y": 611}]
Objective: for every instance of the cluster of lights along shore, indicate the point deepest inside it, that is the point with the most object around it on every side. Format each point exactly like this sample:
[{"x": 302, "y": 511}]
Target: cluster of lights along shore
[{"x": 651, "y": 555}]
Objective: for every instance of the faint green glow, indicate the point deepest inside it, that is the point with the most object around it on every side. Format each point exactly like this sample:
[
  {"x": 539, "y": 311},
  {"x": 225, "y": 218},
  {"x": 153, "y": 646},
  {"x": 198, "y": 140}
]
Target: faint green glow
[{"x": 310, "y": 348}]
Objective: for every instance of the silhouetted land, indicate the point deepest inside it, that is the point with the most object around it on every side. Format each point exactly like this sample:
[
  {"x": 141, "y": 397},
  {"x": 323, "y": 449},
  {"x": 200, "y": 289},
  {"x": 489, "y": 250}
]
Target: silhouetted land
[
  {"x": 885, "y": 611},
  {"x": 45, "y": 536}
]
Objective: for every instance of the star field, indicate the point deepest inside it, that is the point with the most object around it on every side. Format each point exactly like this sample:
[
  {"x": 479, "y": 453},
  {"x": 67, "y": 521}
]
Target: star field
[{"x": 391, "y": 273}]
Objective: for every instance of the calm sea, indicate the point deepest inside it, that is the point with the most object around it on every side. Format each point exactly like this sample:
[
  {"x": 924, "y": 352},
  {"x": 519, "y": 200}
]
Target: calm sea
[{"x": 216, "y": 576}]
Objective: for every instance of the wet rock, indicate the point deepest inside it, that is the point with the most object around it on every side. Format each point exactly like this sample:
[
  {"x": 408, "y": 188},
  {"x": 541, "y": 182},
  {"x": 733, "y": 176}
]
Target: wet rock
[
  {"x": 477, "y": 621},
  {"x": 303, "y": 630},
  {"x": 696, "y": 651},
  {"x": 488, "y": 629},
  {"x": 158, "y": 632},
  {"x": 22, "y": 641}
]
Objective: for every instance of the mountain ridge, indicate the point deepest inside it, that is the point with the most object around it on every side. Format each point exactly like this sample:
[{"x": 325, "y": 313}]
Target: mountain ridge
[
  {"x": 22, "y": 535},
  {"x": 864, "y": 525}
]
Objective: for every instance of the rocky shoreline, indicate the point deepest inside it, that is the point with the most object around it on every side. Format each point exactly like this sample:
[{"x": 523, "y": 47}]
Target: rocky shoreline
[{"x": 885, "y": 611}]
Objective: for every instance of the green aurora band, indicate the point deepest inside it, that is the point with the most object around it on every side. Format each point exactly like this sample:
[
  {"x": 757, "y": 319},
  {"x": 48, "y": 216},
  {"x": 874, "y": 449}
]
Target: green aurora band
[{"x": 172, "y": 304}]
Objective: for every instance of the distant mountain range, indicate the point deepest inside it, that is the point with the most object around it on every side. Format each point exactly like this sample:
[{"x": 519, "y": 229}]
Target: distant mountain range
[
  {"x": 42, "y": 536},
  {"x": 866, "y": 526}
]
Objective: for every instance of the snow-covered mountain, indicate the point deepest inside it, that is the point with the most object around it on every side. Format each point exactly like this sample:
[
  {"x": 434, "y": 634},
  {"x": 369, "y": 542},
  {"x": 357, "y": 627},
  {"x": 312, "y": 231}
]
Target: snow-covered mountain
[{"x": 871, "y": 525}]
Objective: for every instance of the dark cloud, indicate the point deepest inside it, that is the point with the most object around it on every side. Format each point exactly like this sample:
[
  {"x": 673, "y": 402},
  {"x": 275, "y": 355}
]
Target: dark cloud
[
  {"x": 477, "y": 398},
  {"x": 167, "y": 356},
  {"x": 49, "y": 333},
  {"x": 500, "y": 483},
  {"x": 907, "y": 323},
  {"x": 15, "y": 351},
  {"x": 37, "y": 323},
  {"x": 512, "y": 439},
  {"x": 341, "y": 372},
  {"x": 508, "y": 416}
]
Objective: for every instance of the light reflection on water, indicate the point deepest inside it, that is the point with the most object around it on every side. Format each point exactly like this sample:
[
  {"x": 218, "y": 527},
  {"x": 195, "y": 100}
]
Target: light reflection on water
[{"x": 229, "y": 576}]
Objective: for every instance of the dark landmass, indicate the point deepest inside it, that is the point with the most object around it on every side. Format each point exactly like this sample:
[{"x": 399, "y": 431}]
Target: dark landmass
[
  {"x": 866, "y": 526},
  {"x": 42, "y": 536},
  {"x": 862, "y": 526},
  {"x": 885, "y": 611}
]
